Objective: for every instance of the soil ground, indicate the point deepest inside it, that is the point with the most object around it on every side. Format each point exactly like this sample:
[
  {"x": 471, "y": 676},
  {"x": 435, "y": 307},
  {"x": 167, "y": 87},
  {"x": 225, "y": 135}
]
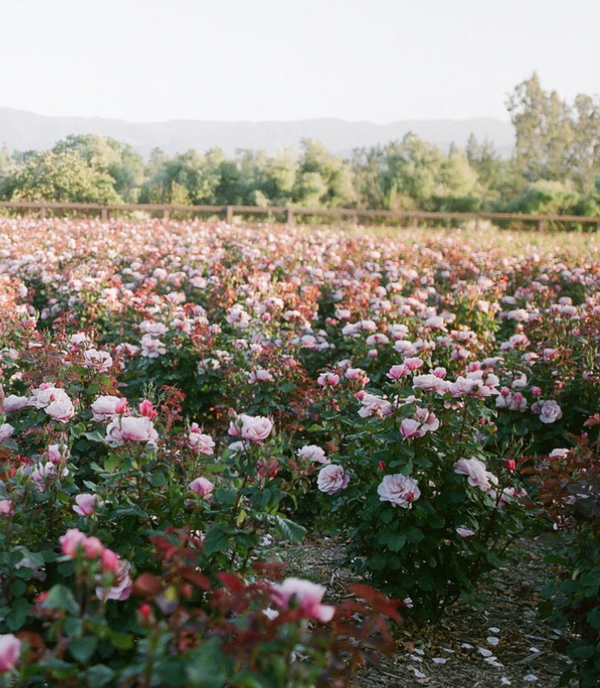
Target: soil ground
[{"x": 500, "y": 642}]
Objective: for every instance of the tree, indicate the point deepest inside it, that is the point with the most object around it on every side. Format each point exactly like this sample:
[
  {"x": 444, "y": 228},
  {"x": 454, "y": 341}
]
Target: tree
[{"x": 63, "y": 176}]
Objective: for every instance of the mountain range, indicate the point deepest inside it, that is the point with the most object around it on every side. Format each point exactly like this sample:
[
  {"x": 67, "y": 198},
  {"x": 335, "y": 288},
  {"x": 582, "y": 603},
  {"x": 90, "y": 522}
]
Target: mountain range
[{"x": 21, "y": 130}]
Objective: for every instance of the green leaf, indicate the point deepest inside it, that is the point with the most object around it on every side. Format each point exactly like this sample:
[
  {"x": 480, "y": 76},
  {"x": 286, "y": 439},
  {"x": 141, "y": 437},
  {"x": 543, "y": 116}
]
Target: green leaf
[
  {"x": 216, "y": 540},
  {"x": 289, "y": 530},
  {"x": 99, "y": 675},
  {"x": 414, "y": 535},
  {"x": 208, "y": 666},
  {"x": 60, "y": 597},
  {"x": 82, "y": 649},
  {"x": 396, "y": 542},
  {"x": 95, "y": 436}
]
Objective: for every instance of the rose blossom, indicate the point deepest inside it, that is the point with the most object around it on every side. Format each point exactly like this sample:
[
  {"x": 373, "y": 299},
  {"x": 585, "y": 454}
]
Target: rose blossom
[
  {"x": 202, "y": 487},
  {"x": 122, "y": 585},
  {"x": 332, "y": 479},
  {"x": 131, "y": 428},
  {"x": 399, "y": 490},
  {"x": 312, "y": 453},
  {"x": 6, "y": 430},
  {"x": 549, "y": 410},
  {"x": 200, "y": 442},
  {"x": 10, "y": 652},
  {"x": 87, "y": 504},
  {"x": 6, "y": 508},
  {"x": 71, "y": 541},
  {"x": 431, "y": 383},
  {"x": 61, "y": 409},
  {"x": 100, "y": 361},
  {"x": 478, "y": 475},
  {"x": 105, "y": 407},
  {"x": 304, "y": 597},
  {"x": 253, "y": 428},
  {"x": 14, "y": 403}
]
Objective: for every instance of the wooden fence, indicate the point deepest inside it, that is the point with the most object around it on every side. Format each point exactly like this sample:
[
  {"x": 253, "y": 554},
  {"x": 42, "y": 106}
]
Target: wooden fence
[{"x": 351, "y": 214}]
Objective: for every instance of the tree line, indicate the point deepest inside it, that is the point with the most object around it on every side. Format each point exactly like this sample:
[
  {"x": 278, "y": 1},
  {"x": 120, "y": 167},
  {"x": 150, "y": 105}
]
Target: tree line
[{"x": 554, "y": 169}]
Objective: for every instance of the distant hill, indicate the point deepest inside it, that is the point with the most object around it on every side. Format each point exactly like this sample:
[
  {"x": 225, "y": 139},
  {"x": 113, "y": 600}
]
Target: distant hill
[{"x": 22, "y": 131}]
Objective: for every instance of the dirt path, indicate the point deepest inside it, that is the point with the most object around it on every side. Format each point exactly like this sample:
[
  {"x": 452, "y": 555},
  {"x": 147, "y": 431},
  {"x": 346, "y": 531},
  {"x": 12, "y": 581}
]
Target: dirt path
[{"x": 501, "y": 643}]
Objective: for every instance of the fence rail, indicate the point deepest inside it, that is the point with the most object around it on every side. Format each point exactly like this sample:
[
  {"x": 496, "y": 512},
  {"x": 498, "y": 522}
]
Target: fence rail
[{"x": 290, "y": 213}]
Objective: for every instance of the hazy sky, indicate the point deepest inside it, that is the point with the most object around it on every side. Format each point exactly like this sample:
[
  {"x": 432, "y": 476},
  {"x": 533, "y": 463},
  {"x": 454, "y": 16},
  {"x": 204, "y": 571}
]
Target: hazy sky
[{"x": 377, "y": 60}]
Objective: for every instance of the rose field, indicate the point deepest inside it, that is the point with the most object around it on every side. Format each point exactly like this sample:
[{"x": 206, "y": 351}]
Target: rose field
[{"x": 185, "y": 405}]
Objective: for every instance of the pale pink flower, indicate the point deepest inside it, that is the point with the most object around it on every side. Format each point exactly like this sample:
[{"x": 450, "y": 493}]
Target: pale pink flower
[
  {"x": 328, "y": 379},
  {"x": 312, "y": 453},
  {"x": 413, "y": 363},
  {"x": 122, "y": 585},
  {"x": 399, "y": 490},
  {"x": 131, "y": 429},
  {"x": 431, "y": 383},
  {"x": 71, "y": 541},
  {"x": 61, "y": 410},
  {"x": 202, "y": 486},
  {"x": 304, "y": 597},
  {"x": 428, "y": 419},
  {"x": 259, "y": 376},
  {"x": 10, "y": 652},
  {"x": 464, "y": 532},
  {"x": 14, "y": 403},
  {"x": 410, "y": 428},
  {"x": 105, "y": 407},
  {"x": 332, "y": 479},
  {"x": 57, "y": 454},
  {"x": 100, "y": 361},
  {"x": 397, "y": 371},
  {"x": 549, "y": 411},
  {"x": 200, "y": 442},
  {"x": 477, "y": 473},
  {"x": 6, "y": 507},
  {"x": 373, "y": 405},
  {"x": 87, "y": 504},
  {"x": 6, "y": 431},
  {"x": 252, "y": 428},
  {"x": 152, "y": 348}
]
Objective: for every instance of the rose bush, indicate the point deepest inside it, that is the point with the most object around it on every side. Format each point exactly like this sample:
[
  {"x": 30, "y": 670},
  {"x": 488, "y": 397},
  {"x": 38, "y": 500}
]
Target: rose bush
[{"x": 178, "y": 393}]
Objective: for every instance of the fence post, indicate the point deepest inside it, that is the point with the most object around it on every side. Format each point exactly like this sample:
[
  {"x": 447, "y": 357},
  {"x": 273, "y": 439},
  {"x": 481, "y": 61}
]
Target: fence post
[
  {"x": 166, "y": 214},
  {"x": 476, "y": 223},
  {"x": 541, "y": 225},
  {"x": 415, "y": 221},
  {"x": 289, "y": 217},
  {"x": 104, "y": 214},
  {"x": 43, "y": 213},
  {"x": 598, "y": 226},
  {"x": 229, "y": 214}
]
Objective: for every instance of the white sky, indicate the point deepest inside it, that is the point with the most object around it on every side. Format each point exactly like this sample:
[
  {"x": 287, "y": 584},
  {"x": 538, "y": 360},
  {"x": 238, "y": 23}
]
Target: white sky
[{"x": 376, "y": 60}]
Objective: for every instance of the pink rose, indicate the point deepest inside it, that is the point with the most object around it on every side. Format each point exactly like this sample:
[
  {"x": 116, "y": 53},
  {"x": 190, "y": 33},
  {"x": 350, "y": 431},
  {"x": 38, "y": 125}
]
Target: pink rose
[
  {"x": 131, "y": 429},
  {"x": 122, "y": 585},
  {"x": 332, "y": 479},
  {"x": 6, "y": 430},
  {"x": 304, "y": 597},
  {"x": 431, "y": 383},
  {"x": 6, "y": 507},
  {"x": 100, "y": 361},
  {"x": 252, "y": 428},
  {"x": 478, "y": 475},
  {"x": 61, "y": 409},
  {"x": 10, "y": 652},
  {"x": 71, "y": 541},
  {"x": 14, "y": 403},
  {"x": 550, "y": 411},
  {"x": 87, "y": 504},
  {"x": 202, "y": 487},
  {"x": 411, "y": 428},
  {"x": 200, "y": 442},
  {"x": 399, "y": 490},
  {"x": 312, "y": 453},
  {"x": 105, "y": 407}
]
